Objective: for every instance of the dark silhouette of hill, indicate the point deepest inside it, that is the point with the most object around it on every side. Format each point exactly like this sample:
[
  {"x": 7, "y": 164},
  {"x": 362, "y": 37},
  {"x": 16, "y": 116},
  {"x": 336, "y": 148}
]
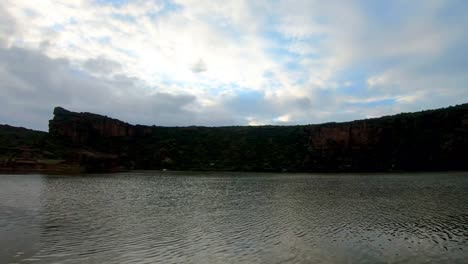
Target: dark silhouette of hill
[{"x": 427, "y": 140}]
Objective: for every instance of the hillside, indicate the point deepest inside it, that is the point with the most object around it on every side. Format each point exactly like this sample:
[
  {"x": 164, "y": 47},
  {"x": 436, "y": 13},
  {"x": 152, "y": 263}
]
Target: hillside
[
  {"x": 428, "y": 140},
  {"x": 12, "y": 138}
]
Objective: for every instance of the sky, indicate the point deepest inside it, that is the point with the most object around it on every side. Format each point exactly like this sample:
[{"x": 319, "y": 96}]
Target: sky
[{"x": 230, "y": 62}]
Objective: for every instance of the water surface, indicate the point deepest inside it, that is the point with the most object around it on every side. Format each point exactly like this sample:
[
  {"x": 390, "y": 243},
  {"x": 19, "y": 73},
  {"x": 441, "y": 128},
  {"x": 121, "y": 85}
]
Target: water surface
[{"x": 179, "y": 217}]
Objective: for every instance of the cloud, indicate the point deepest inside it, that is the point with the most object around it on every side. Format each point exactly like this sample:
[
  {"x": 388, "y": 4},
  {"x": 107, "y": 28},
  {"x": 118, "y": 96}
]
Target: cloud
[
  {"x": 101, "y": 65},
  {"x": 30, "y": 91},
  {"x": 233, "y": 62},
  {"x": 199, "y": 67},
  {"x": 7, "y": 26}
]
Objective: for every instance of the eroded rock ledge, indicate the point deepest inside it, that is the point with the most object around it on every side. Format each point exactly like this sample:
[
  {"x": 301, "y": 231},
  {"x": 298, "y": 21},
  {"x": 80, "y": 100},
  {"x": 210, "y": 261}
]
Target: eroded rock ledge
[{"x": 428, "y": 140}]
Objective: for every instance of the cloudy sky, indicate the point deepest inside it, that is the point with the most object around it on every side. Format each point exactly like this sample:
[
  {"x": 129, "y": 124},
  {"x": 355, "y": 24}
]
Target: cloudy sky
[{"x": 200, "y": 62}]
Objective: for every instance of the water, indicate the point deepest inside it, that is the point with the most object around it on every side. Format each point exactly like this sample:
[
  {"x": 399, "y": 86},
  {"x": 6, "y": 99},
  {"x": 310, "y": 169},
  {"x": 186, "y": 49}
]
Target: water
[{"x": 168, "y": 217}]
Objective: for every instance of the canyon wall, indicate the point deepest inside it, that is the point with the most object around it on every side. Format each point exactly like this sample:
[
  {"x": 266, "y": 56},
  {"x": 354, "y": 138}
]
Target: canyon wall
[
  {"x": 428, "y": 140},
  {"x": 85, "y": 128}
]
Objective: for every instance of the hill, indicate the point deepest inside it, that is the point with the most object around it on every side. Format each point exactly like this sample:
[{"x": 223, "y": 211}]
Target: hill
[{"x": 427, "y": 140}]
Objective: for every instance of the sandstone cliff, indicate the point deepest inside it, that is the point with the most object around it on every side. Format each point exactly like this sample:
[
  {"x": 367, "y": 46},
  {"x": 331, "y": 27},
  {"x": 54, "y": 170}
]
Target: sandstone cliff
[
  {"x": 428, "y": 140},
  {"x": 83, "y": 128}
]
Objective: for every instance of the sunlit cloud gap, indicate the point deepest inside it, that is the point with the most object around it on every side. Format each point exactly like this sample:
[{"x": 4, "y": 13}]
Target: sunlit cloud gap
[{"x": 230, "y": 62}]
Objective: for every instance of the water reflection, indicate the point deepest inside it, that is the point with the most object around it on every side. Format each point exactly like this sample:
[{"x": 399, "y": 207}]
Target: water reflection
[
  {"x": 235, "y": 218},
  {"x": 20, "y": 216}
]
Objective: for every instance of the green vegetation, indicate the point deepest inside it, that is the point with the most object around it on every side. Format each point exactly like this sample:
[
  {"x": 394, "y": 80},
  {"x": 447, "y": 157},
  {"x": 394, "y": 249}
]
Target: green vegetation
[
  {"x": 14, "y": 138},
  {"x": 265, "y": 148},
  {"x": 428, "y": 140}
]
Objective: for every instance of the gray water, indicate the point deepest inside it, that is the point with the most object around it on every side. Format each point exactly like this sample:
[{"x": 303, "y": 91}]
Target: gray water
[{"x": 169, "y": 217}]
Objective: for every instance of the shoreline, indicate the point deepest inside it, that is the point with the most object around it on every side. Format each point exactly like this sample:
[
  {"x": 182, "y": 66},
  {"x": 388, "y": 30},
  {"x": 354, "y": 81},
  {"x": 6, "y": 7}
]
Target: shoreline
[{"x": 76, "y": 171}]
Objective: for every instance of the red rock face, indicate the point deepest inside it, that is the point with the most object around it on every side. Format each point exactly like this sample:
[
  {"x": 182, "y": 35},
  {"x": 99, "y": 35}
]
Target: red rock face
[
  {"x": 111, "y": 128},
  {"x": 81, "y": 128},
  {"x": 429, "y": 140},
  {"x": 355, "y": 135}
]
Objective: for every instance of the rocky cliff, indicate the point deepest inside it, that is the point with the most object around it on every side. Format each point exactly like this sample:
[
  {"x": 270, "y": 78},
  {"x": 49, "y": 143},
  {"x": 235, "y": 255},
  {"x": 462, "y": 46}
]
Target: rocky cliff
[
  {"x": 428, "y": 140},
  {"x": 84, "y": 128}
]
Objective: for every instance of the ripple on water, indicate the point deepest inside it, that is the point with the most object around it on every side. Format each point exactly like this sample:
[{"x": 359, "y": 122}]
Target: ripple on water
[{"x": 240, "y": 218}]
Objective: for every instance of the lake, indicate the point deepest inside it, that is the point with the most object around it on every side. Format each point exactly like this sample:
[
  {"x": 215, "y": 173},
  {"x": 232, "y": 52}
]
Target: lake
[{"x": 218, "y": 217}]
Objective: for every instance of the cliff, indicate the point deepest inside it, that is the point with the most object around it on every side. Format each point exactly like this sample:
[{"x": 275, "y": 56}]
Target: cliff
[
  {"x": 428, "y": 140},
  {"x": 84, "y": 128}
]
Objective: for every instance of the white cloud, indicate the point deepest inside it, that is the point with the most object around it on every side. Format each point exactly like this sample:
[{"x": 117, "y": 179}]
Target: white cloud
[
  {"x": 199, "y": 66},
  {"x": 283, "y": 118},
  {"x": 380, "y": 80},
  {"x": 304, "y": 58}
]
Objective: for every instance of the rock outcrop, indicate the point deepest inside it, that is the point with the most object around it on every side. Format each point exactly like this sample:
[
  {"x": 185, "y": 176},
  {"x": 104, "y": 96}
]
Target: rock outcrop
[
  {"x": 428, "y": 140},
  {"x": 84, "y": 128}
]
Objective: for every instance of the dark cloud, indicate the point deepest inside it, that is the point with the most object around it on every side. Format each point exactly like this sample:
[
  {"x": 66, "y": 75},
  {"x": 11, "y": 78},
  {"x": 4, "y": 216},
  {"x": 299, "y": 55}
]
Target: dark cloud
[
  {"x": 32, "y": 84},
  {"x": 102, "y": 65}
]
